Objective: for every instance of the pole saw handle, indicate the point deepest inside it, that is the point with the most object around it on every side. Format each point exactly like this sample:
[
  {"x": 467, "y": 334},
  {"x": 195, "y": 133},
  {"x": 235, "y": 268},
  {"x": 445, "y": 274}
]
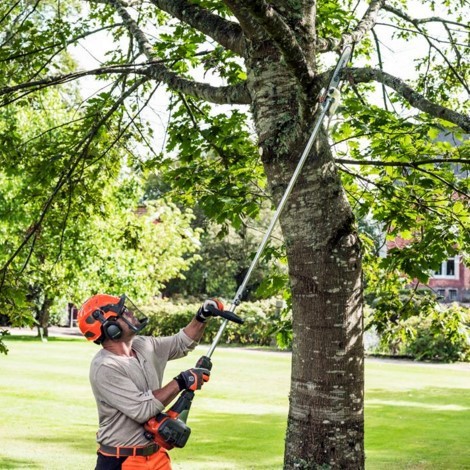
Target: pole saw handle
[{"x": 227, "y": 314}]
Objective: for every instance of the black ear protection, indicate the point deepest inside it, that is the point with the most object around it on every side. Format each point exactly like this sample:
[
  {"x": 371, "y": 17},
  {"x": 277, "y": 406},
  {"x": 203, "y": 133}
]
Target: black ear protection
[{"x": 111, "y": 328}]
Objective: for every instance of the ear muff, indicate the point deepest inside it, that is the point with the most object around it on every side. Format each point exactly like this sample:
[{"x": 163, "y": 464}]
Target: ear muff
[{"x": 111, "y": 328}]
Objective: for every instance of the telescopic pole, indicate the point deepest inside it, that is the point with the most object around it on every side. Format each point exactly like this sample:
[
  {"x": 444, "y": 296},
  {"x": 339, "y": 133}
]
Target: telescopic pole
[{"x": 328, "y": 102}]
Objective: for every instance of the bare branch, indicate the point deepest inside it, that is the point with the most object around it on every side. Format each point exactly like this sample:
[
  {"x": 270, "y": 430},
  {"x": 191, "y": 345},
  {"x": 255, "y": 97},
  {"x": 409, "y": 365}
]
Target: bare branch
[
  {"x": 379, "y": 57},
  {"x": 416, "y": 24},
  {"x": 415, "y": 99},
  {"x": 36, "y": 85},
  {"x": 429, "y": 161},
  {"x": 227, "y": 33},
  {"x": 416, "y": 21},
  {"x": 234, "y": 94},
  {"x": 365, "y": 25},
  {"x": 62, "y": 44},
  {"x": 421, "y": 32}
]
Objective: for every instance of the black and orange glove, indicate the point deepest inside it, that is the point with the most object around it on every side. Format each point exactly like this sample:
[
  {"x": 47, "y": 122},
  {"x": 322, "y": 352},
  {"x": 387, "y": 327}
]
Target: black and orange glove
[
  {"x": 205, "y": 310},
  {"x": 192, "y": 379}
]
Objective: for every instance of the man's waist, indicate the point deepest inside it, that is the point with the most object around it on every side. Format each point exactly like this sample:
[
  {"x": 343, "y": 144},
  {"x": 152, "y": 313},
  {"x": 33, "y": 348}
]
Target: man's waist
[{"x": 128, "y": 451}]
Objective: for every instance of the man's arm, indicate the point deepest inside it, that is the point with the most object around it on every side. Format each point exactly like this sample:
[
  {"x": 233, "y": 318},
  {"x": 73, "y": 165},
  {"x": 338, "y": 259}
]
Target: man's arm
[
  {"x": 195, "y": 329},
  {"x": 191, "y": 379},
  {"x": 168, "y": 393}
]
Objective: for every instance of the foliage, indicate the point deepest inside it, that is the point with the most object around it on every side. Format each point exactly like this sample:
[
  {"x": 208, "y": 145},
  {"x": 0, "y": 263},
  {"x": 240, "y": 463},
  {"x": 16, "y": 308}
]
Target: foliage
[
  {"x": 218, "y": 163},
  {"x": 259, "y": 327},
  {"x": 421, "y": 205},
  {"x": 395, "y": 170},
  {"x": 216, "y": 155},
  {"x": 89, "y": 237},
  {"x": 443, "y": 336},
  {"x": 434, "y": 334}
]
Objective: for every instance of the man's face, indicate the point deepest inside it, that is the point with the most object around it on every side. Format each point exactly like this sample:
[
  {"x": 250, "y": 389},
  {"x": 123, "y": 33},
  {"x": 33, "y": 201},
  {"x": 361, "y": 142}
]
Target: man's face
[{"x": 128, "y": 317}]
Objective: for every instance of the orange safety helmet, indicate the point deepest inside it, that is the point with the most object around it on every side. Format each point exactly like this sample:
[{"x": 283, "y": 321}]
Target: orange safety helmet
[
  {"x": 95, "y": 313},
  {"x": 97, "y": 317}
]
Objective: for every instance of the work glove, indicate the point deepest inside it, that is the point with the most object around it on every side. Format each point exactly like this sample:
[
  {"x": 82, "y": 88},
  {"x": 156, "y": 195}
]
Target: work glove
[
  {"x": 203, "y": 313},
  {"x": 192, "y": 379}
]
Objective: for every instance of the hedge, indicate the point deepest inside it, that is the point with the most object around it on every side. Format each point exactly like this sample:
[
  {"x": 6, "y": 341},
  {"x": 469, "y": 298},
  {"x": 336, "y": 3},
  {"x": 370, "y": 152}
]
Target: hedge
[{"x": 260, "y": 327}]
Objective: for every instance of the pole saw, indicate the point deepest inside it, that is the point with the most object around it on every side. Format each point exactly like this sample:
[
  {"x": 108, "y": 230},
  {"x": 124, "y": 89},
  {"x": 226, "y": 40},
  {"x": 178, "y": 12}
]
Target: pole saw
[{"x": 169, "y": 429}]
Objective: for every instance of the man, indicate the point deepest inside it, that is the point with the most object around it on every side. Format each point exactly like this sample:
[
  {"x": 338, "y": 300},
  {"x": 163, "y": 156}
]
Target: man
[{"x": 126, "y": 378}]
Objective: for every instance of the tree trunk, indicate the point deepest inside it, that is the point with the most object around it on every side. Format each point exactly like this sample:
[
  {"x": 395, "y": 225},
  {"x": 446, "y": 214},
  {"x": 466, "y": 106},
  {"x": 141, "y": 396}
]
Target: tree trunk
[
  {"x": 42, "y": 316},
  {"x": 325, "y": 424}
]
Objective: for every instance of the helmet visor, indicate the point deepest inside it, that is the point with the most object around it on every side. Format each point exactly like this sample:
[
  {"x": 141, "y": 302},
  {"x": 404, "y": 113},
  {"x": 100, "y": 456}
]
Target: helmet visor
[{"x": 129, "y": 313}]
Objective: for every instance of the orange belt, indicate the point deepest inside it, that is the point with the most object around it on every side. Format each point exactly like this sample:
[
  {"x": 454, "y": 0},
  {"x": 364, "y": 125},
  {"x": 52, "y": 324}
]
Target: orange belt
[{"x": 128, "y": 451}]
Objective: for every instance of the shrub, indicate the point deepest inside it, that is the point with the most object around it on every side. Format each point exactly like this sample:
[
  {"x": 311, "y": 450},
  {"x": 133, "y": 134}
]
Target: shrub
[
  {"x": 443, "y": 336},
  {"x": 440, "y": 334},
  {"x": 259, "y": 327}
]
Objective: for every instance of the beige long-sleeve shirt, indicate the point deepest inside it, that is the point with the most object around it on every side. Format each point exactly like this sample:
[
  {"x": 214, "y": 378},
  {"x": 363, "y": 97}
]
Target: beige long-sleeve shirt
[{"x": 123, "y": 387}]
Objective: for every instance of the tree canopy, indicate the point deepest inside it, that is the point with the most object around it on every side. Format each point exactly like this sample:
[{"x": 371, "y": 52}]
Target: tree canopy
[{"x": 387, "y": 156}]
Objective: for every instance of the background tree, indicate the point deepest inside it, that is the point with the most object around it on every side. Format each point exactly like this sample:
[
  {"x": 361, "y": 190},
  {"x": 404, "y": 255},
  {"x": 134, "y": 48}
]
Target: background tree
[
  {"x": 272, "y": 58},
  {"x": 88, "y": 241}
]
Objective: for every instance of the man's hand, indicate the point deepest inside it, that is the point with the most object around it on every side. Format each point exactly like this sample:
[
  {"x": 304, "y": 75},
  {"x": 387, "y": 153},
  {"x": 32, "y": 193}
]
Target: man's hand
[
  {"x": 192, "y": 379},
  {"x": 204, "y": 313}
]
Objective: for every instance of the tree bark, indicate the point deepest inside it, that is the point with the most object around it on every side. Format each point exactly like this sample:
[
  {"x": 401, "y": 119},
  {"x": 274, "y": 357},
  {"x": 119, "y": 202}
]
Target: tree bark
[
  {"x": 326, "y": 422},
  {"x": 42, "y": 316}
]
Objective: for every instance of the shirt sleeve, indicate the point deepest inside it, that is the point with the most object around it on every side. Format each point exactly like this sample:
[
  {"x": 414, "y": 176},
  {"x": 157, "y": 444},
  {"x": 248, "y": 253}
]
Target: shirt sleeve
[
  {"x": 119, "y": 391},
  {"x": 173, "y": 347}
]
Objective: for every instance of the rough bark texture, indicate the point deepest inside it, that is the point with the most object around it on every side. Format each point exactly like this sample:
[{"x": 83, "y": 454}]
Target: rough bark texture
[{"x": 326, "y": 423}]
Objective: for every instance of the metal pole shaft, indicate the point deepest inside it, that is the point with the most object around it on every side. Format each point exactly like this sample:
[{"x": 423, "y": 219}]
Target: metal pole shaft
[{"x": 237, "y": 299}]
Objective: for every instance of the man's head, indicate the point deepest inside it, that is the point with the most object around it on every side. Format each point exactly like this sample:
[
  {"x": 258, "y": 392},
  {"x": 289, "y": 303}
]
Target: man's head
[{"x": 105, "y": 316}]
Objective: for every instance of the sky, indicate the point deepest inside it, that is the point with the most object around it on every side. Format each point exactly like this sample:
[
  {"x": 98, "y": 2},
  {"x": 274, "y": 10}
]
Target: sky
[{"x": 398, "y": 58}]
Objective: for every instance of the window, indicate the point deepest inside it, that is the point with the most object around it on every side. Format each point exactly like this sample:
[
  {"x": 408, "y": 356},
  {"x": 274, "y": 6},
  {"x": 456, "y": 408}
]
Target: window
[
  {"x": 449, "y": 269},
  {"x": 441, "y": 293},
  {"x": 453, "y": 295}
]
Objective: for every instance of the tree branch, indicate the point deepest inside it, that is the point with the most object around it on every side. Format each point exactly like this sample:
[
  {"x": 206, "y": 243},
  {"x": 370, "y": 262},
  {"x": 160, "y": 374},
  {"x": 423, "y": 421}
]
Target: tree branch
[
  {"x": 379, "y": 57},
  {"x": 233, "y": 94},
  {"x": 60, "y": 79},
  {"x": 429, "y": 161},
  {"x": 52, "y": 46},
  {"x": 227, "y": 33},
  {"x": 242, "y": 14},
  {"x": 415, "y": 99},
  {"x": 416, "y": 21},
  {"x": 416, "y": 24},
  {"x": 284, "y": 38},
  {"x": 144, "y": 46},
  {"x": 414, "y": 165},
  {"x": 365, "y": 25}
]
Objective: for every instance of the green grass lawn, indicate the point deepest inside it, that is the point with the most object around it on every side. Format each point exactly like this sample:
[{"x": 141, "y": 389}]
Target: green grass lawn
[{"x": 417, "y": 416}]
